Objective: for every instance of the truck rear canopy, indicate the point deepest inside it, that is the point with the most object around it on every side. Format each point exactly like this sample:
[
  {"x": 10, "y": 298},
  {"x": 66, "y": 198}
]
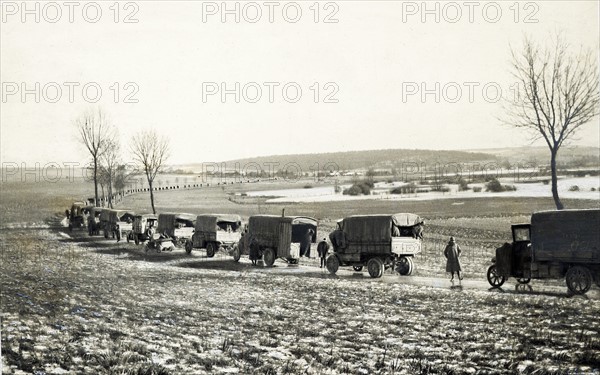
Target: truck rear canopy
[{"x": 566, "y": 235}]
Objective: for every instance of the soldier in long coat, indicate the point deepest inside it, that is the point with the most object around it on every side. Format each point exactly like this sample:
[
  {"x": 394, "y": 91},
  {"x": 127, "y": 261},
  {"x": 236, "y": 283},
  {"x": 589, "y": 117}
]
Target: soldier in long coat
[
  {"x": 305, "y": 243},
  {"x": 452, "y": 254}
]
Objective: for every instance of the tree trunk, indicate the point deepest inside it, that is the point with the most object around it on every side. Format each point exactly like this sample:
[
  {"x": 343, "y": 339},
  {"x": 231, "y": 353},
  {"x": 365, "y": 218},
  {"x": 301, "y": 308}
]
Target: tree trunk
[
  {"x": 151, "y": 197},
  {"x": 110, "y": 194},
  {"x": 553, "y": 153},
  {"x": 96, "y": 182}
]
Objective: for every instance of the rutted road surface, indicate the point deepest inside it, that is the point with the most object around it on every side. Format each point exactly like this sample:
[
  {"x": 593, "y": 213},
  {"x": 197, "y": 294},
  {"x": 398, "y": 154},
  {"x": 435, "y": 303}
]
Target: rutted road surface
[{"x": 309, "y": 267}]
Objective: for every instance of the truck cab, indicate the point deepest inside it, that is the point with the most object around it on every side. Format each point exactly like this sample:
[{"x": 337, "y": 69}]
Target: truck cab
[{"x": 557, "y": 244}]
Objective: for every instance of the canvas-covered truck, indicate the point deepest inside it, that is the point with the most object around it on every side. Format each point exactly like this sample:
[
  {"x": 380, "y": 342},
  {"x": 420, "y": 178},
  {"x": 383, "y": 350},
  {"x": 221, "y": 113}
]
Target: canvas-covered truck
[
  {"x": 118, "y": 223},
  {"x": 141, "y": 226},
  {"x": 276, "y": 237},
  {"x": 93, "y": 220},
  {"x": 215, "y": 231},
  {"x": 377, "y": 242},
  {"x": 179, "y": 226},
  {"x": 555, "y": 244},
  {"x": 77, "y": 216}
]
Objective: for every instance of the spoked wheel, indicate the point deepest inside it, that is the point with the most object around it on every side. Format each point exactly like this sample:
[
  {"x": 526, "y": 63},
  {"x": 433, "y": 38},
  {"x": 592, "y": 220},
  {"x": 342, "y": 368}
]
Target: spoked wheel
[
  {"x": 236, "y": 254},
  {"x": 333, "y": 264},
  {"x": 357, "y": 268},
  {"x": 188, "y": 247},
  {"x": 269, "y": 257},
  {"x": 405, "y": 266},
  {"x": 210, "y": 250},
  {"x": 375, "y": 267},
  {"x": 523, "y": 280},
  {"x": 579, "y": 279},
  {"x": 496, "y": 280}
]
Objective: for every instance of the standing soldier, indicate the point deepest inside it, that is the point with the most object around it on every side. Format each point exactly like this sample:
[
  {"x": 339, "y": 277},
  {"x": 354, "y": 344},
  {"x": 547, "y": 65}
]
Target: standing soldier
[
  {"x": 305, "y": 243},
  {"x": 322, "y": 250},
  {"x": 253, "y": 249},
  {"x": 452, "y": 254}
]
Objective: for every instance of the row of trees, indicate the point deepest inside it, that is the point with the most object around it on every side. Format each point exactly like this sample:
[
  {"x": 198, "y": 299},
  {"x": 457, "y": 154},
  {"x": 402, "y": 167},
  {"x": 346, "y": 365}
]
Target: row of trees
[{"x": 100, "y": 137}]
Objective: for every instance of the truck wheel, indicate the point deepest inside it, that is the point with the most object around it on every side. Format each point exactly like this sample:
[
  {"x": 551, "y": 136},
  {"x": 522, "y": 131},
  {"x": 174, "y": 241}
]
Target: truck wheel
[
  {"x": 269, "y": 257},
  {"x": 357, "y": 268},
  {"x": 236, "y": 254},
  {"x": 333, "y": 264},
  {"x": 496, "y": 280},
  {"x": 136, "y": 239},
  {"x": 188, "y": 247},
  {"x": 210, "y": 250},
  {"x": 579, "y": 279},
  {"x": 405, "y": 266},
  {"x": 523, "y": 280},
  {"x": 375, "y": 267}
]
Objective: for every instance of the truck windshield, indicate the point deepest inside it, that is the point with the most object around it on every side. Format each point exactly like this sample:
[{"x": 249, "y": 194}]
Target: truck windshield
[{"x": 521, "y": 234}]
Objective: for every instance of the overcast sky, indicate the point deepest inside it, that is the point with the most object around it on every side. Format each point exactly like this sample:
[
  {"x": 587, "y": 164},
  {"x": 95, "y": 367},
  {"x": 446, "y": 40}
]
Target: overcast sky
[{"x": 370, "y": 67}]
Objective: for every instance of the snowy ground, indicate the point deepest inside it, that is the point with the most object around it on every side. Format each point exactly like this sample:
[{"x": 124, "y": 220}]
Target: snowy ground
[
  {"x": 71, "y": 304},
  {"x": 381, "y": 191}
]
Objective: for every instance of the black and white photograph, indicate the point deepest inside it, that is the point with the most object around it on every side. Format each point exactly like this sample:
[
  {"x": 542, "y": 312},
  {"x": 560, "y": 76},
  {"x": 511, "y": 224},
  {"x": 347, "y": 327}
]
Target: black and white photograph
[{"x": 300, "y": 187}]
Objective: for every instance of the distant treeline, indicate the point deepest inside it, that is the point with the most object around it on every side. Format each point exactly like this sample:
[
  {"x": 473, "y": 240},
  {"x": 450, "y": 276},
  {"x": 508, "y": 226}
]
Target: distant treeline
[{"x": 353, "y": 160}]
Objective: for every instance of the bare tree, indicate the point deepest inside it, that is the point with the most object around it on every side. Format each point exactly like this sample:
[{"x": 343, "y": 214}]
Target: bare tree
[
  {"x": 95, "y": 132},
  {"x": 557, "y": 94},
  {"x": 151, "y": 152},
  {"x": 110, "y": 163}
]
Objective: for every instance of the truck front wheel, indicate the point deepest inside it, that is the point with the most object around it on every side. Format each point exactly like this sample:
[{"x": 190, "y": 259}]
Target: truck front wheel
[
  {"x": 405, "y": 266},
  {"x": 332, "y": 264},
  {"x": 375, "y": 267},
  {"x": 210, "y": 250},
  {"x": 579, "y": 280},
  {"x": 496, "y": 280},
  {"x": 236, "y": 254},
  {"x": 269, "y": 257}
]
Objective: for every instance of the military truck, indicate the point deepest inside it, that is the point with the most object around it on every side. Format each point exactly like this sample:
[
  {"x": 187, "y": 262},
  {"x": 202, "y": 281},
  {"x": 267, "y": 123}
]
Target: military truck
[
  {"x": 215, "y": 231},
  {"x": 555, "y": 244},
  {"x": 141, "y": 225},
  {"x": 279, "y": 236},
  {"x": 116, "y": 223},
  {"x": 377, "y": 242},
  {"x": 179, "y": 226},
  {"x": 78, "y": 215}
]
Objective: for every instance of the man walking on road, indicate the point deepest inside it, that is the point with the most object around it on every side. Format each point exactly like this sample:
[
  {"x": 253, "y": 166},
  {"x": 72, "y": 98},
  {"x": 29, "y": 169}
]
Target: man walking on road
[{"x": 322, "y": 249}]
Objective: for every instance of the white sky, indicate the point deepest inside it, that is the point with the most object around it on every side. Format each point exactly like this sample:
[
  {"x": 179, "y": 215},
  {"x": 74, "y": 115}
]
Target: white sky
[{"x": 368, "y": 54}]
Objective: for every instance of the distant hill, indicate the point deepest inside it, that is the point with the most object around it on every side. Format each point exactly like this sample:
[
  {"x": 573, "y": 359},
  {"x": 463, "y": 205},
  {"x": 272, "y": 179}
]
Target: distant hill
[
  {"x": 361, "y": 160},
  {"x": 394, "y": 158},
  {"x": 585, "y": 156}
]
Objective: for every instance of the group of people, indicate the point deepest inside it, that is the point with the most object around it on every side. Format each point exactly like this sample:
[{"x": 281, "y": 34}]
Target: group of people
[{"x": 416, "y": 231}]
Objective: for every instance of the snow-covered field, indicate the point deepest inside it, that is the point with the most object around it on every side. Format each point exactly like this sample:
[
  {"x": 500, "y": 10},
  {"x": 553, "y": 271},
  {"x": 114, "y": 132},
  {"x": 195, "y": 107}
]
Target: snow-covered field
[
  {"x": 71, "y": 304},
  {"x": 381, "y": 191}
]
